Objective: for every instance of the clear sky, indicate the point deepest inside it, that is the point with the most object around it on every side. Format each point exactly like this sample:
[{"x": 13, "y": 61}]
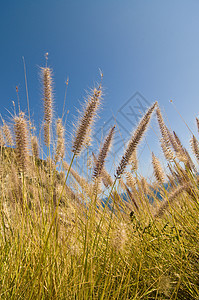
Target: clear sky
[{"x": 147, "y": 46}]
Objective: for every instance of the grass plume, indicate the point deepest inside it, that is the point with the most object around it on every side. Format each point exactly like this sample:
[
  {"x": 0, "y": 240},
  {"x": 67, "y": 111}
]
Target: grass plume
[
  {"x": 63, "y": 237},
  {"x": 134, "y": 141}
]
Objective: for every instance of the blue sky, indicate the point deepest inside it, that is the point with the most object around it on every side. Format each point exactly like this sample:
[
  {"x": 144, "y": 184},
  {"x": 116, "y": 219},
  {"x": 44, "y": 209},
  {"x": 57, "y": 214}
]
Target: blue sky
[{"x": 147, "y": 46}]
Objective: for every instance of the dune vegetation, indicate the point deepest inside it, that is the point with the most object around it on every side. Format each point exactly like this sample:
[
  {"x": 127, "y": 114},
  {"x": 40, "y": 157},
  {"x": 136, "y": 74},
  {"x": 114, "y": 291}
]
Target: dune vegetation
[{"x": 62, "y": 238}]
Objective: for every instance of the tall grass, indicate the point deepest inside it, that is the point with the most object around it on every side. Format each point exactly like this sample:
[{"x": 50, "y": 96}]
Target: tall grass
[{"x": 61, "y": 239}]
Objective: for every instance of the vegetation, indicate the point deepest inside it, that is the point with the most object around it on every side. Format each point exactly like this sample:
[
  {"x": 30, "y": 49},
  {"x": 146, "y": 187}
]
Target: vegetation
[{"x": 60, "y": 239}]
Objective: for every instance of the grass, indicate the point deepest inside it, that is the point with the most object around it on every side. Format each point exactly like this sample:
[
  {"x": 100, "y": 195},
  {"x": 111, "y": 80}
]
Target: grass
[{"x": 59, "y": 240}]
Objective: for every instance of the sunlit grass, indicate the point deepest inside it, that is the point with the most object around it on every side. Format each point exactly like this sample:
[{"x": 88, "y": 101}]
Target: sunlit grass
[{"x": 61, "y": 239}]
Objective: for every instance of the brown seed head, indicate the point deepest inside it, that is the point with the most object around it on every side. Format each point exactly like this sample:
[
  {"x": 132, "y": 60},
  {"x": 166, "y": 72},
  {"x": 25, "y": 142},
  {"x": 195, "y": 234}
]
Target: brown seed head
[
  {"x": 83, "y": 131},
  {"x": 158, "y": 172},
  {"x": 21, "y": 140},
  {"x": 106, "y": 178},
  {"x": 103, "y": 153},
  {"x": 195, "y": 147},
  {"x": 47, "y": 102},
  {"x": 47, "y": 94},
  {"x": 134, "y": 141}
]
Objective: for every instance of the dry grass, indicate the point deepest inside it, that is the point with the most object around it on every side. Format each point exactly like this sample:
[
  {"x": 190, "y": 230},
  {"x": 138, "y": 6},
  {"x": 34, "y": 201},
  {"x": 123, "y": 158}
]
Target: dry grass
[{"x": 60, "y": 237}]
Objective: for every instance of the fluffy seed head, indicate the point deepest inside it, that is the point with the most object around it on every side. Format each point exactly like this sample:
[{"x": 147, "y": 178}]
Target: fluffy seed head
[
  {"x": 172, "y": 140},
  {"x": 134, "y": 141},
  {"x": 106, "y": 178},
  {"x": 165, "y": 140},
  {"x": 47, "y": 94},
  {"x": 47, "y": 134},
  {"x": 35, "y": 146},
  {"x": 8, "y": 135},
  {"x": 158, "y": 172},
  {"x": 21, "y": 140},
  {"x": 47, "y": 102},
  {"x": 144, "y": 185},
  {"x": 60, "y": 150},
  {"x": 183, "y": 154},
  {"x": 166, "y": 150},
  {"x": 195, "y": 147},
  {"x": 103, "y": 153},
  {"x": 83, "y": 131},
  {"x": 162, "y": 126}
]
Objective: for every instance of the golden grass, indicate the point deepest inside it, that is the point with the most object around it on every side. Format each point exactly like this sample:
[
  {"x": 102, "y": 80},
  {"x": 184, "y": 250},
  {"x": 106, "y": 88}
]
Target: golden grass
[{"x": 60, "y": 237}]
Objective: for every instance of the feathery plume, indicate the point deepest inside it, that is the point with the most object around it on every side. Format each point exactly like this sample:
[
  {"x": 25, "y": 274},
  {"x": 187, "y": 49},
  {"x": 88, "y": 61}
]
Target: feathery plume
[
  {"x": 166, "y": 150},
  {"x": 144, "y": 185},
  {"x": 48, "y": 102},
  {"x": 60, "y": 141},
  {"x": 183, "y": 154},
  {"x": 172, "y": 140},
  {"x": 8, "y": 135},
  {"x": 47, "y": 134},
  {"x": 158, "y": 172},
  {"x": 83, "y": 131},
  {"x": 47, "y": 94},
  {"x": 189, "y": 163},
  {"x": 195, "y": 147},
  {"x": 162, "y": 127},
  {"x": 178, "y": 140},
  {"x": 35, "y": 146},
  {"x": 103, "y": 154},
  {"x": 106, "y": 178},
  {"x": 134, "y": 141},
  {"x": 21, "y": 140},
  {"x": 165, "y": 140}
]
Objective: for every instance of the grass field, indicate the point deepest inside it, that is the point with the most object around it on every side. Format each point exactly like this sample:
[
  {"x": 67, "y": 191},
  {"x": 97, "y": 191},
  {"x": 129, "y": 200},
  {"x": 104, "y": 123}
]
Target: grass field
[{"x": 60, "y": 240}]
